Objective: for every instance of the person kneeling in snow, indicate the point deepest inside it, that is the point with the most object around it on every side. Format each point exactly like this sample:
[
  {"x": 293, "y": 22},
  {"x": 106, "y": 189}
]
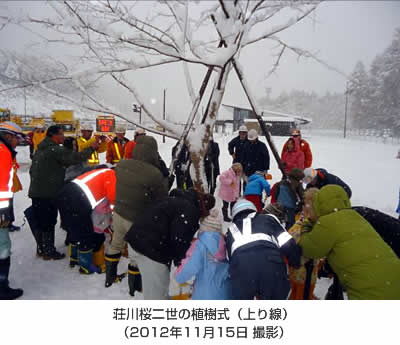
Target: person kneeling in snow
[
  {"x": 319, "y": 178},
  {"x": 162, "y": 234},
  {"x": 255, "y": 244},
  {"x": 289, "y": 193},
  {"x": 94, "y": 190},
  {"x": 365, "y": 265},
  {"x": 206, "y": 261},
  {"x": 255, "y": 187}
]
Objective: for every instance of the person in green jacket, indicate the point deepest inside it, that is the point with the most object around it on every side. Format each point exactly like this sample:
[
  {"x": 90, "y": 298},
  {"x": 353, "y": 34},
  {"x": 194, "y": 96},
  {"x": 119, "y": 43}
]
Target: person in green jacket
[
  {"x": 47, "y": 174},
  {"x": 140, "y": 182},
  {"x": 366, "y": 266}
]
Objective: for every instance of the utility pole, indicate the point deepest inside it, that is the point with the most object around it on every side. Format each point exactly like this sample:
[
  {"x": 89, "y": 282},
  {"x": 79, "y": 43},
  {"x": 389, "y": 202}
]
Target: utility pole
[
  {"x": 25, "y": 100},
  {"x": 163, "y": 138},
  {"x": 345, "y": 109}
]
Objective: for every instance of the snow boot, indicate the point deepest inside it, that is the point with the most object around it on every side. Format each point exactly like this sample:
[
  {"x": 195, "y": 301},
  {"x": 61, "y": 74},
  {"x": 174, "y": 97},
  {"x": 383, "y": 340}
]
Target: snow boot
[
  {"x": 73, "y": 255},
  {"x": 134, "y": 280},
  {"x": 98, "y": 259},
  {"x": 7, "y": 293},
  {"x": 86, "y": 262},
  {"x": 335, "y": 291},
  {"x": 12, "y": 228},
  {"x": 225, "y": 214},
  {"x": 112, "y": 262},
  {"x": 49, "y": 251}
]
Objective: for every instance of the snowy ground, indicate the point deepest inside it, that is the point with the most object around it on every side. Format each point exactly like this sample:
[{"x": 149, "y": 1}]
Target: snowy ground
[{"x": 369, "y": 168}]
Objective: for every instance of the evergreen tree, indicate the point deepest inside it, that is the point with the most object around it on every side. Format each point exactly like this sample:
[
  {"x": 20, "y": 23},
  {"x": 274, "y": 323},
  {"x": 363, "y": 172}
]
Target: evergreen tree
[{"x": 358, "y": 94}]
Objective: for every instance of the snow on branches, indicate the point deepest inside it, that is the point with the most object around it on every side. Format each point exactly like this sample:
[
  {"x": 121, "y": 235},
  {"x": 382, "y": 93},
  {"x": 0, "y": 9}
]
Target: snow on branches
[{"x": 116, "y": 39}]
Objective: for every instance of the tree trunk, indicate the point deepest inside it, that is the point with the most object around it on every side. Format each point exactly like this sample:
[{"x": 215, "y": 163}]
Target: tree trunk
[{"x": 199, "y": 139}]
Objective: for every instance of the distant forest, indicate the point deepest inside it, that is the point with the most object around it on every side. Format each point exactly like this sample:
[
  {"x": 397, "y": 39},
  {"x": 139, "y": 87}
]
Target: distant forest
[{"x": 373, "y": 97}]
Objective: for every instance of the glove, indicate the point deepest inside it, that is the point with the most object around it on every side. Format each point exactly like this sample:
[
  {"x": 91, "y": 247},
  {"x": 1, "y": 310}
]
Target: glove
[
  {"x": 326, "y": 271},
  {"x": 5, "y": 217}
]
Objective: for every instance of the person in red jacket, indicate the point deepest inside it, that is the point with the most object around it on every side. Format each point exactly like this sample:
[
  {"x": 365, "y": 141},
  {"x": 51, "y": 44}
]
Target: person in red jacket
[
  {"x": 292, "y": 157},
  {"x": 76, "y": 202},
  {"x": 304, "y": 146},
  {"x": 131, "y": 145},
  {"x": 116, "y": 147},
  {"x": 9, "y": 133}
]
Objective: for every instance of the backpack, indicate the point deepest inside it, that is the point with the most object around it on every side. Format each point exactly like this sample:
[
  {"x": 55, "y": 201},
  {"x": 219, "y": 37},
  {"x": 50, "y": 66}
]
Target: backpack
[
  {"x": 386, "y": 226},
  {"x": 275, "y": 192}
]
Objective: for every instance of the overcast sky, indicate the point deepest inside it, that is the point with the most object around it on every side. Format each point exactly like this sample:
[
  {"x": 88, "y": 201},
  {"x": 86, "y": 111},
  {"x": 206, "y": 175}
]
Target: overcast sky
[{"x": 340, "y": 33}]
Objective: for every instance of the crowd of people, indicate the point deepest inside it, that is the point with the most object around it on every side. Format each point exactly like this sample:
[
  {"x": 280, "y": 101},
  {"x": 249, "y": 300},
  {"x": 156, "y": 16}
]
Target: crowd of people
[{"x": 280, "y": 238}]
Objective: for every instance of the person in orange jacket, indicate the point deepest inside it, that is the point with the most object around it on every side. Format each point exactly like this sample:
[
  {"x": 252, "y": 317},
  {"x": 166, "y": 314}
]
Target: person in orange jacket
[
  {"x": 131, "y": 145},
  {"x": 9, "y": 137},
  {"x": 116, "y": 147},
  {"x": 304, "y": 147},
  {"x": 76, "y": 202}
]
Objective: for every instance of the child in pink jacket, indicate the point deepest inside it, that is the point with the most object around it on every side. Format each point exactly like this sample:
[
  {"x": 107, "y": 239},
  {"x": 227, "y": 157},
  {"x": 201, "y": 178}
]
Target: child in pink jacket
[{"x": 229, "y": 188}]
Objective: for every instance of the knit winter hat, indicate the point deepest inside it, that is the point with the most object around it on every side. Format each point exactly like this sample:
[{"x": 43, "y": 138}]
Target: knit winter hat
[
  {"x": 212, "y": 222},
  {"x": 242, "y": 205}
]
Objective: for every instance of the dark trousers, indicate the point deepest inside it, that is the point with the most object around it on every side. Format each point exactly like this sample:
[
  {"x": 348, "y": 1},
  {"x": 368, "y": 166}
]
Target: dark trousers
[
  {"x": 76, "y": 215},
  {"x": 45, "y": 211},
  {"x": 211, "y": 180},
  {"x": 226, "y": 205},
  {"x": 259, "y": 271},
  {"x": 181, "y": 178},
  {"x": 290, "y": 217},
  {"x": 12, "y": 217}
]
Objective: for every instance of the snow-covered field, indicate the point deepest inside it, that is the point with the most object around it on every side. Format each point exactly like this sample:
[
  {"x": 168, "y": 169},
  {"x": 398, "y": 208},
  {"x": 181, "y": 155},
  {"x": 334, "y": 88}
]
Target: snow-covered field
[{"x": 370, "y": 169}]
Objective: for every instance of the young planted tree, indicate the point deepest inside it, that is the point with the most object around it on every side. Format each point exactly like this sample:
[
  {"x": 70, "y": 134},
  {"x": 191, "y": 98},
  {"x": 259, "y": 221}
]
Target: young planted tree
[{"x": 117, "y": 38}]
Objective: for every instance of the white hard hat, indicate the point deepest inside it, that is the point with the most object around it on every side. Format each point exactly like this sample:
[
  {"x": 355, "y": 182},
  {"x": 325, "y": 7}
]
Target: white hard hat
[
  {"x": 243, "y": 128},
  {"x": 140, "y": 131},
  {"x": 11, "y": 128},
  {"x": 252, "y": 135},
  {"x": 120, "y": 129},
  {"x": 309, "y": 174},
  {"x": 86, "y": 127}
]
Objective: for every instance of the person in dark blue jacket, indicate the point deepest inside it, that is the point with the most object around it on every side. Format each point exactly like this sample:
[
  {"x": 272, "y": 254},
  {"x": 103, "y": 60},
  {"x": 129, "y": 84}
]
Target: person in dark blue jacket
[
  {"x": 236, "y": 145},
  {"x": 255, "y": 155},
  {"x": 319, "y": 178},
  {"x": 255, "y": 245},
  {"x": 289, "y": 193}
]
